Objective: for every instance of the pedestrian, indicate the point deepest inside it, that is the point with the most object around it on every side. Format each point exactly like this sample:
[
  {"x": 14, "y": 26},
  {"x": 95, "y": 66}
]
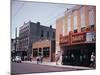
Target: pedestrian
[
  {"x": 41, "y": 59},
  {"x": 57, "y": 58},
  {"x": 37, "y": 58},
  {"x": 72, "y": 59},
  {"x": 92, "y": 60},
  {"x": 81, "y": 59}
]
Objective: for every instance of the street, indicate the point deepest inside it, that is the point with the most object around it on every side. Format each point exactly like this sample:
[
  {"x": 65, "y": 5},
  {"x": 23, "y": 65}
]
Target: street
[{"x": 29, "y": 68}]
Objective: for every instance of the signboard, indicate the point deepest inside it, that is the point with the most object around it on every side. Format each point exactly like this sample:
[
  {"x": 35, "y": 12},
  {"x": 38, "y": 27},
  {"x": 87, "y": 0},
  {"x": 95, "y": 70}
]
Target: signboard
[
  {"x": 90, "y": 36},
  {"x": 80, "y": 37},
  {"x": 63, "y": 39}
]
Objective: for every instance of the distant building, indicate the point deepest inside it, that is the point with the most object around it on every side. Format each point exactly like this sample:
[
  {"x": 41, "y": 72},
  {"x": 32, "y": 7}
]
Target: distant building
[
  {"x": 15, "y": 46},
  {"x": 31, "y": 32},
  {"x": 12, "y": 44},
  {"x": 76, "y": 35}
]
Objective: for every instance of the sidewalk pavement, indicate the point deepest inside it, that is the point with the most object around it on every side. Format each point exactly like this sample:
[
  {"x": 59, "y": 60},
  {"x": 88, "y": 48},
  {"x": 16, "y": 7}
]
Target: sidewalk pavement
[{"x": 59, "y": 65}]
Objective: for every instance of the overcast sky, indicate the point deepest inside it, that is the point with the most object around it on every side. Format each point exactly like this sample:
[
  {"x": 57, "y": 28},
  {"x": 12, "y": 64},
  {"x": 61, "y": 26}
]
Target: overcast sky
[{"x": 45, "y": 13}]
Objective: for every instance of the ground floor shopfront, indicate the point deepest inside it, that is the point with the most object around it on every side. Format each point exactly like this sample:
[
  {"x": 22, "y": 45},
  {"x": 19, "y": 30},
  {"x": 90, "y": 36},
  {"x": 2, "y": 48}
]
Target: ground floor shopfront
[
  {"x": 77, "y": 55},
  {"x": 76, "y": 48}
]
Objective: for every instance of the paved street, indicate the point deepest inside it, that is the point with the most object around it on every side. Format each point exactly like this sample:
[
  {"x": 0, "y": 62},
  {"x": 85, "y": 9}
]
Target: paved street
[{"x": 25, "y": 68}]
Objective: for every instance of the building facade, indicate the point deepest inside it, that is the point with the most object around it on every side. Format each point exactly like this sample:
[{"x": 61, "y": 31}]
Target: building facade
[
  {"x": 45, "y": 48},
  {"x": 31, "y": 32},
  {"x": 76, "y": 35}
]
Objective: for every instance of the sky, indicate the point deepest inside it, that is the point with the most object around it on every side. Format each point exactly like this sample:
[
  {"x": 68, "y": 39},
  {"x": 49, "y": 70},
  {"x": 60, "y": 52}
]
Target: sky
[{"x": 45, "y": 13}]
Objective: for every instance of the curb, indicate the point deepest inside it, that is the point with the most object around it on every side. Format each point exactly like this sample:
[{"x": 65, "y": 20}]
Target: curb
[{"x": 74, "y": 67}]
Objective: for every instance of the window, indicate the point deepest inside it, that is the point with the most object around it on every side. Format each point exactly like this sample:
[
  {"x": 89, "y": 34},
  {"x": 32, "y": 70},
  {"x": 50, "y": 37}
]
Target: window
[
  {"x": 48, "y": 34},
  {"x": 92, "y": 27},
  {"x": 83, "y": 29},
  {"x": 40, "y": 51},
  {"x": 35, "y": 52},
  {"x": 42, "y": 33},
  {"x": 75, "y": 31},
  {"x": 75, "y": 22},
  {"x": 53, "y": 34},
  {"x": 63, "y": 21},
  {"x": 82, "y": 17},
  {"x": 69, "y": 23},
  {"x": 46, "y": 52},
  {"x": 91, "y": 17}
]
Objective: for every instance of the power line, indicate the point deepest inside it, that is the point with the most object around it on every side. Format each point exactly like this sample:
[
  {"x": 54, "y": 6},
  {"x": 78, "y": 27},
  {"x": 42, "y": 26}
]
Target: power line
[{"x": 18, "y": 10}]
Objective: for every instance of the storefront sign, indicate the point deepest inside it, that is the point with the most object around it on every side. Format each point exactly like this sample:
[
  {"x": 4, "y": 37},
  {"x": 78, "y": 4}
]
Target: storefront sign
[
  {"x": 90, "y": 36},
  {"x": 63, "y": 39},
  {"x": 81, "y": 37}
]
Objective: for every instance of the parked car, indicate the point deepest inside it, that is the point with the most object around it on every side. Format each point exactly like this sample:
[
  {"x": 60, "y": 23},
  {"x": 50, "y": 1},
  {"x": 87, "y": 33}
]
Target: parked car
[{"x": 17, "y": 59}]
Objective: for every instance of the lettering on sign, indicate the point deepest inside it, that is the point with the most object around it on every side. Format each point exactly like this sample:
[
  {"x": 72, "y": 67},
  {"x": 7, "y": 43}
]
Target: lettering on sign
[
  {"x": 64, "y": 39},
  {"x": 78, "y": 38}
]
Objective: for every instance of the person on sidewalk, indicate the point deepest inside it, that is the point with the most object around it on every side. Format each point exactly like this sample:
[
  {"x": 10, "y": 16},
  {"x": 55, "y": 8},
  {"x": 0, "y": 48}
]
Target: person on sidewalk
[
  {"x": 41, "y": 58},
  {"x": 37, "y": 59},
  {"x": 92, "y": 60},
  {"x": 57, "y": 58}
]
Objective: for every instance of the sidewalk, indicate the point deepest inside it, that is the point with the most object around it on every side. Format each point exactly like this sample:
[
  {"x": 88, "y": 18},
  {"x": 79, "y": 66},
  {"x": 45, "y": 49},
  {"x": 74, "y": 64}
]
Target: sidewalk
[{"x": 54, "y": 64}]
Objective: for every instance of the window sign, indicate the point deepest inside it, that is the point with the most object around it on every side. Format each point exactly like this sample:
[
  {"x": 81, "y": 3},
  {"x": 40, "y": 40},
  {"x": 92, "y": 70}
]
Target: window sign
[{"x": 91, "y": 36}]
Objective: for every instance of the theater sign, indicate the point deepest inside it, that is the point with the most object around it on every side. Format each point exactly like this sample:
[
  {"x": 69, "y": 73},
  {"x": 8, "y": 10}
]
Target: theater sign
[{"x": 78, "y": 37}]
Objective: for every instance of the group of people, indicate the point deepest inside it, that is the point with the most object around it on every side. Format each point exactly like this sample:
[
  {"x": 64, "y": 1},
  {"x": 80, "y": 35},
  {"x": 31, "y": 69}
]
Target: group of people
[
  {"x": 81, "y": 58},
  {"x": 39, "y": 59}
]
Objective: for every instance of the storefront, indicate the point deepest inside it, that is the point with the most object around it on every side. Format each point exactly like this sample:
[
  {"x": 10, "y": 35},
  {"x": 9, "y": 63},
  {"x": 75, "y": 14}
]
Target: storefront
[
  {"x": 77, "y": 48},
  {"x": 44, "y": 48}
]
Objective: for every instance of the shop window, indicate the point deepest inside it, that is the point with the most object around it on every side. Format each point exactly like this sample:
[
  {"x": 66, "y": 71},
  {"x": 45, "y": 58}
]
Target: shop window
[
  {"x": 46, "y": 52},
  {"x": 35, "y": 52}
]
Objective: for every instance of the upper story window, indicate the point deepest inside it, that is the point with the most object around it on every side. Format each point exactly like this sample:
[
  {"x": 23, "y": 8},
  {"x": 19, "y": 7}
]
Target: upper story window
[
  {"x": 92, "y": 27},
  {"x": 91, "y": 17},
  {"x": 48, "y": 34},
  {"x": 75, "y": 31},
  {"x": 42, "y": 33},
  {"x": 83, "y": 29},
  {"x": 82, "y": 15},
  {"x": 69, "y": 23},
  {"x": 53, "y": 34},
  {"x": 75, "y": 22},
  {"x": 63, "y": 21}
]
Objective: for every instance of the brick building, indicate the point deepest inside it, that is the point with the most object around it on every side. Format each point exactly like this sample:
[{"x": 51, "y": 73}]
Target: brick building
[
  {"x": 45, "y": 48},
  {"x": 31, "y": 32},
  {"x": 76, "y": 35}
]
